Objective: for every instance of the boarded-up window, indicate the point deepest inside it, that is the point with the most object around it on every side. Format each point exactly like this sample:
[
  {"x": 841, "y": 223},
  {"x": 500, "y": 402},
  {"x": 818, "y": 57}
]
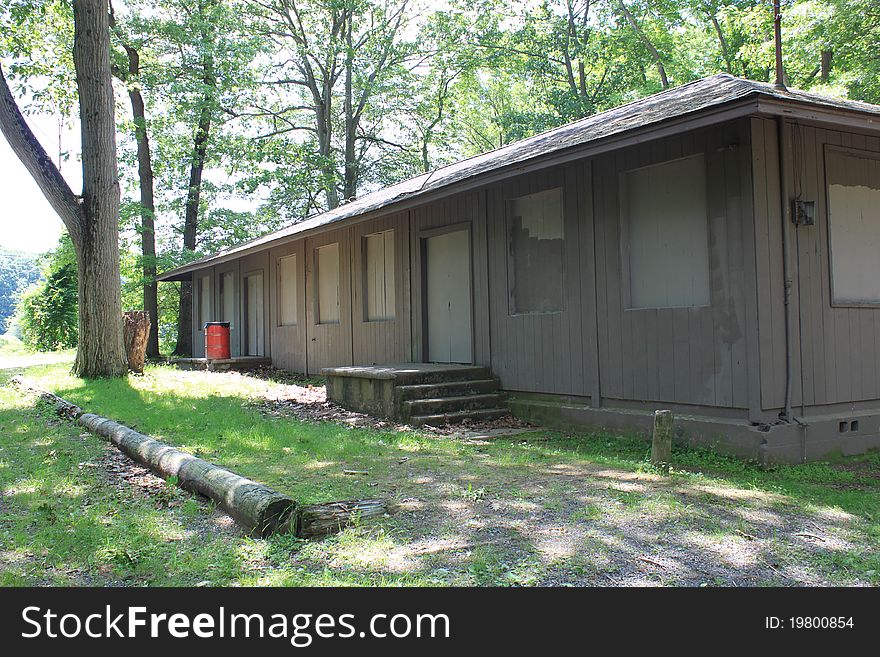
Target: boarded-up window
[
  {"x": 379, "y": 299},
  {"x": 536, "y": 273},
  {"x": 327, "y": 284},
  {"x": 204, "y": 301},
  {"x": 854, "y": 218},
  {"x": 287, "y": 290},
  {"x": 227, "y": 298},
  {"x": 665, "y": 234}
]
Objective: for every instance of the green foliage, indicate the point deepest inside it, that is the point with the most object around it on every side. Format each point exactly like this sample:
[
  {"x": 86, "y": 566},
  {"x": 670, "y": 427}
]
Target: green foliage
[
  {"x": 414, "y": 87},
  {"x": 47, "y": 311},
  {"x": 18, "y": 271}
]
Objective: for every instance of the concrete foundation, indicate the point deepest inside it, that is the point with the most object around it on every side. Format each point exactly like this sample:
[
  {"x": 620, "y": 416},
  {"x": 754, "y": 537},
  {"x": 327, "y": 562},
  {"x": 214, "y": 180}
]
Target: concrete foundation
[
  {"x": 239, "y": 363},
  {"x": 811, "y": 438}
]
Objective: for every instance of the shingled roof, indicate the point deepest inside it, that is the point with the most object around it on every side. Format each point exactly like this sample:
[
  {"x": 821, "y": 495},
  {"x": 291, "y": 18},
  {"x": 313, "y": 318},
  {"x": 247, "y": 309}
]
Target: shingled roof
[{"x": 692, "y": 98}]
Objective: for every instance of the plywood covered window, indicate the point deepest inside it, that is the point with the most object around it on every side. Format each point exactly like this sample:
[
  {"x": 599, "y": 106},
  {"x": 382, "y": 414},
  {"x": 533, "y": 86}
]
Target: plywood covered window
[
  {"x": 854, "y": 227},
  {"x": 536, "y": 246},
  {"x": 287, "y": 286},
  {"x": 327, "y": 284},
  {"x": 665, "y": 234},
  {"x": 204, "y": 287},
  {"x": 379, "y": 298},
  {"x": 227, "y": 298}
]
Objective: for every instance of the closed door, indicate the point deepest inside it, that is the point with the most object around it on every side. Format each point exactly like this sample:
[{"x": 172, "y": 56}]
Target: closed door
[
  {"x": 253, "y": 302},
  {"x": 448, "y": 292}
]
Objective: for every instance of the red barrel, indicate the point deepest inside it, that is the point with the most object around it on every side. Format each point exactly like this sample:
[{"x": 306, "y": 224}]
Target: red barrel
[{"x": 217, "y": 340}]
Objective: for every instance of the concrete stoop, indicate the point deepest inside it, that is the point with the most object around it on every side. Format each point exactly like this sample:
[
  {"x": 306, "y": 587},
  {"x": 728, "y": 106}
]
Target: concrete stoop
[{"x": 418, "y": 393}]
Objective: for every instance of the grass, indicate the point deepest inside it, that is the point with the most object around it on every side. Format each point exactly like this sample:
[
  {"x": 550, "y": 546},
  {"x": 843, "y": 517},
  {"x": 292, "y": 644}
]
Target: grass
[
  {"x": 12, "y": 346},
  {"x": 64, "y": 522}
]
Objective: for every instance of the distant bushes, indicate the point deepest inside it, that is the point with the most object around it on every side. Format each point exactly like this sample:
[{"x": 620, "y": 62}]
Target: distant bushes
[{"x": 46, "y": 312}]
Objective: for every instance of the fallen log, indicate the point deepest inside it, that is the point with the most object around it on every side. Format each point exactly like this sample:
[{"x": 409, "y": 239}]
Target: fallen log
[
  {"x": 315, "y": 520},
  {"x": 259, "y": 509}
]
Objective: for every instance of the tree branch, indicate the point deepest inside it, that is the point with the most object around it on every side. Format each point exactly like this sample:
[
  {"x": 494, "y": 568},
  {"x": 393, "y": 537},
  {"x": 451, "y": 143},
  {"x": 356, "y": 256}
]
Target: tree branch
[{"x": 38, "y": 163}]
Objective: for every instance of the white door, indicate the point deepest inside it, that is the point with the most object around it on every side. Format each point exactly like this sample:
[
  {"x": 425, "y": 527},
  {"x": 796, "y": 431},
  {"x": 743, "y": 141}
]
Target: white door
[
  {"x": 448, "y": 282},
  {"x": 254, "y": 313}
]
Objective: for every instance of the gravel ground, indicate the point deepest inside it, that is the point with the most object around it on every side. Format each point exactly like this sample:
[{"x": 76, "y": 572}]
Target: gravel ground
[{"x": 474, "y": 522}]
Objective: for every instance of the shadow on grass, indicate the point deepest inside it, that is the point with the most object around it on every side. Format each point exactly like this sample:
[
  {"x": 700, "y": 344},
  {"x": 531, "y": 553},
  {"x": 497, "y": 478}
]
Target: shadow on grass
[{"x": 551, "y": 508}]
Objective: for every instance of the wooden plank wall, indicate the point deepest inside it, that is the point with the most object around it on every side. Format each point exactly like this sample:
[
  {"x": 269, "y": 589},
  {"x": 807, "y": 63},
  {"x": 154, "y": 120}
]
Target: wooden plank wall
[
  {"x": 694, "y": 355},
  {"x": 386, "y": 341},
  {"x": 837, "y": 348},
  {"x": 553, "y": 352},
  {"x": 595, "y": 348},
  {"x": 328, "y": 345},
  {"x": 256, "y": 262},
  {"x": 288, "y": 342},
  {"x": 465, "y": 208}
]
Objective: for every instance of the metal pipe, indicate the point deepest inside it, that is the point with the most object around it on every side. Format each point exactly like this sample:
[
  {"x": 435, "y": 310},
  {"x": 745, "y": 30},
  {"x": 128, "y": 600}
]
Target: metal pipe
[
  {"x": 777, "y": 38},
  {"x": 786, "y": 266}
]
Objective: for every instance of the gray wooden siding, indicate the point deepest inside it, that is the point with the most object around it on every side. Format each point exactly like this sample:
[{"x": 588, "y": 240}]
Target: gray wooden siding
[
  {"x": 288, "y": 342},
  {"x": 467, "y": 208},
  {"x": 695, "y": 355},
  {"x": 328, "y": 345},
  {"x": 838, "y": 346},
  {"x": 553, "y": 352},
  {"x": 198, "y": 334},
  {"x": 596, "y": 348},
  {"x": 255, "y": 263},
  {"x": 386, "y": 341}
]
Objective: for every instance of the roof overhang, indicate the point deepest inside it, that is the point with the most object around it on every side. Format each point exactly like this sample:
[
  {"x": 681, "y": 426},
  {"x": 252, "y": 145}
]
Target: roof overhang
[
  {"x": 722, "y": 113},
  {"x": 760, "y": 102}
]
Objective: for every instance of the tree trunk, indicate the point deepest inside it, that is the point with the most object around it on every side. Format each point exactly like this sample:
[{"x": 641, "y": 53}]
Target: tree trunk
[
  {"x": 191, "y": 213},
  {"x": 145, "y": 179},
  {"x": 93, "y": 219},
  {"x": 100, "y": 351},
  {"x": 825, "y": 73},
  {"x": 136, "y": 332}
]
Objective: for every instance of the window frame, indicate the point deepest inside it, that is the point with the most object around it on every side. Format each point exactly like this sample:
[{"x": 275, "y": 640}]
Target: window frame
[
  {"x": 854, "y": 152},
  {"x": 280, "y": 290},
  {"x": 365, "y": 278},
  {"x": 317, "y": 284},
  {"x": 510, "y": 268},
  {"x": 625, "y": 249}
]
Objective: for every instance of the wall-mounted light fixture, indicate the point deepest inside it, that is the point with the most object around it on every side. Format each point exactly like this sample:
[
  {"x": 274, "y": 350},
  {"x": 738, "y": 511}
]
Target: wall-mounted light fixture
[{"x": 803, "y": 213}]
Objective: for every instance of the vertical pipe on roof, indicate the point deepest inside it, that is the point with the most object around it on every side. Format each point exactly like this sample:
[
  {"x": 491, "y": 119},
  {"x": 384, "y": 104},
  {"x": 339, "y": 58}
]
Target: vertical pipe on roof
[{"x": 777, "y": 39}]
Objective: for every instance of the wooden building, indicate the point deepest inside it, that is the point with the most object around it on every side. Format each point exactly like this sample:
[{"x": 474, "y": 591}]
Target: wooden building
[{"x": 713, "y": 249}]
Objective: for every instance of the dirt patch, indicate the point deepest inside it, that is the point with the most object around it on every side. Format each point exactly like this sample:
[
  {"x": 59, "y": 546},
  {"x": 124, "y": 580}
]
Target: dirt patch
[
  {"x": 308, "y": 402},
  {"x": 128, "y": 477}
]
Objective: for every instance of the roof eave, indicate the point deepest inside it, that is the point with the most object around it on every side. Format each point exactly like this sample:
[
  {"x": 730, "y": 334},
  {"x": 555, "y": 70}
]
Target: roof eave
[
  {"x": 810, "y": 112},
  {"x": 748, "y": 104}
]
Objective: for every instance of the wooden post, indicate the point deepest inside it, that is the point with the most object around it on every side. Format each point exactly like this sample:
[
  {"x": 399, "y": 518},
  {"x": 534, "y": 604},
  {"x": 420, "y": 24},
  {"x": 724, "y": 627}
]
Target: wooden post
[
  {"x": 661, "y": 443},
  {"x": 136, "y": 332}
]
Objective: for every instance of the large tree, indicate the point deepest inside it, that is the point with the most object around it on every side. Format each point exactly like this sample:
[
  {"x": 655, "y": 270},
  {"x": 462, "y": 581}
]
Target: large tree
[{"x": 92, "y": 217}]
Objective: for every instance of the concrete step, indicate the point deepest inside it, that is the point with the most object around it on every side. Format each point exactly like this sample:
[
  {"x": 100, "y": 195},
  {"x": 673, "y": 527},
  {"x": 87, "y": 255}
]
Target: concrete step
[
  {"x": 450, "y": 389},
  {"x": 441, "y": 419},
  {"x": 440, "y": 374},
  {"x": 452, "y": 404}
]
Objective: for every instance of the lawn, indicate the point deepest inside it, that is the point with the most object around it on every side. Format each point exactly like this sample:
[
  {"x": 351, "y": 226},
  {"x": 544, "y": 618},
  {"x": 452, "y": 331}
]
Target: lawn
[{"x": 540, "y": 508}]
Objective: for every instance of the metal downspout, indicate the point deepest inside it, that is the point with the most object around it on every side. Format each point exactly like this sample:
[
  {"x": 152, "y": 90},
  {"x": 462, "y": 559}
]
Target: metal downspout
[{"x": 786, "y": 267}]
